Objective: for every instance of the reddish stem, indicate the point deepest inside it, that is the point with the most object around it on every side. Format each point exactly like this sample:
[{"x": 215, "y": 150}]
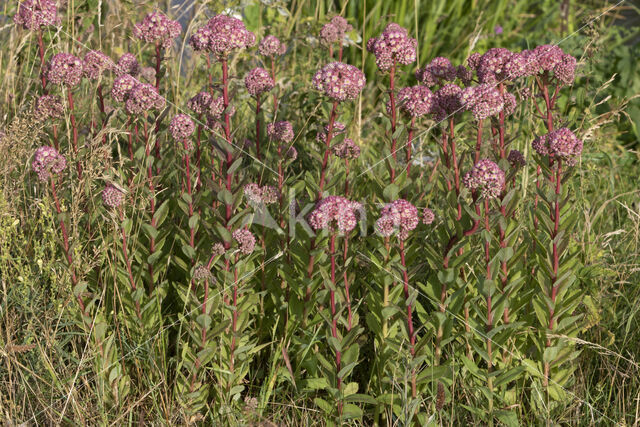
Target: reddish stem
[
  {"x": 74, "y": 128},
  {"x": 392, "y": 99},
  {"x": 152, "y": 201},
  {"x": 409, "y": 144},
  {"x": 42, "y": 64},
  {"x": 412, "y": 336},
  {"x": 273, "y": 77},
  {"x": 334, "y": 319},
  {"x": 258, "y": 127},
  {"x": 325, "y": 161}
]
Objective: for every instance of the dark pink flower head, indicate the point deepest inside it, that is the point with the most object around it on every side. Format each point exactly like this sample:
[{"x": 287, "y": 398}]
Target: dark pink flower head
[
  {"x": 215, "y": 108},
  {"x": 64, "y": 69},
  {"x": 510, "y": 103},
  {"x": 122, "y": 86},
  {"x": 448, "y": 98},
  {"x": 157, "y": 27},
  {"x": 259, "y": 195},
  {"x": 258, "y": 81},
  {"x": 112, "y": 196},
  {"x": 280, "y": 131},
  {"x": 439, "y": 70},
  {"x": 335, "y": 212},
  {"x": 95, "y": 63},
  {"x": 341, "y": 24},
  {"x": 334, "y": 31},
  {"x": 393, "y": 46},
  {"x": 548, "y": 56},
  {"x": 541, "y": 145},
  {"x": 338, "y": 128},
  {"x": 33, "y": 14},
  {"x": 492, "y": 64},
  {"x": 271, "y": 46},
  {"x": 127, "y": 64},
  {"x": 515, "y": 67},
  {"x": 49, "y": 106},
  {"x": 428, "y": 216},
  {"x": 487, "y": 177},
  {"x": 530, "y": 62},
  {"x": 47, "y": 161},
  {"x": 222, "y": 35},
  {"x": 143, "y": 97},
  {"x": 565, "y": 70},
  {"x": 416, "y": 101},
  {"x": 347, "y": 149},
  {"x": 200, "y": 102},
  {"x": 181, "y": 127},
  {"x": 564, "y": 144},
  {"x": 398, "y": 215},
  {"x": 474, "y": 61},
  {"x": 245, "y": 240},
  {"x": 465, "y": 75},
  {"x": 339, "y": 81},
  {"x": 483, "y": 101},
  {"x": 516, "y": 159}
]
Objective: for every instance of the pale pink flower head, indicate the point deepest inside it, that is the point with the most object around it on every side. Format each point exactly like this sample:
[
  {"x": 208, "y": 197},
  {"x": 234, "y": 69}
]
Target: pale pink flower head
[
  {"x": 200, "y": 102},
  {"x": 334, "y": 31},
  {"x": 255, "y": 194},
  {"x": 271, "y": 46},
  {"x": 221, "y": 36},
  {"x": 258, "y": 81},
  {"x": 487, "y": 177},
  {"x": 280, "y": 131},
  {"x": 127, "y": 64},
  {"x": 202, "y": 273},
  {"x": 181, "y": 127},
  {"x": 393, "y": 46},
  {"x": 218, "y": 249},
  {"x": 245, "y": 240},
  {"x": 122, "y": 86},
  {"x": 142, "y": 98},
  {"x": 516, "y": 67},
  {"x": 439, "y": 70},
  {"x": 565, "y": 70},
  {"x": 541, "y": 145},
  {"x": 530, "y": 62},
  {"x": 33, "y": 14},
  {"x": 398, "y": 215},
  {"x": 483, "y": 101},
  {"x": 564, "y": 144},
  {"x": 335, "y": 212},
  {"x": 347, "y": 149},
  {"x": 510, "y": 103},
  {"x": 428, "y": 216},
  {"x": 64, "y": 69},
  {"x": 491, "y": 67},
  {"x": 49, "y": 106},
  {"x": 47, "y": 161},
  {"x": 339, "y": 81},
  {"x": 416, "y": 101},
  {"x": 95, "y": 63},
  {"x": 112, "y": 196},
  {"x": 157, "y": 28}
]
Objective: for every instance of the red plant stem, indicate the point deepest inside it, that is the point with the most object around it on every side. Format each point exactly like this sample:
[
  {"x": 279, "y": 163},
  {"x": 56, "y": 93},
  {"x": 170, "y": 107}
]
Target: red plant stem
[
  {"x": 101, "y": 101},
  {"x": 503, "y": 212},
  {"x": 203, "y": 335},
  {"x": 157, "y": 127},
  {"x": 346, "y": 284},
  {"x": 454, "y": 160},
  {"x": 334, "y": 319},
  {"x": 227, "y": 135},
  {"x": 158, "y": 61},
  {"x": 346, "y": 178},
  {"x": 187, "y": 165},
  {"x": 65, "y": 247},
  {"x": 331, "y": 52},
  {"x": 127, "y": 261},
  {"x": 42, "y": 65},
  {"x": 409, "y": 144},
  {"x": 340, "y": 52},
  {"x": 273, "y": 77},
  {"x": 55, "y": 137},
  {"x": 152, "y": 201},
  {"x": 130, "y": 126},
  {"x": 445, "y": 154},
  {"x": 489, "y": 325},
  {"x": 392, "y": 100},
  {"x": 478, "y": 142},
  {"x": 198, "y": 153},
  {"x": 234, "y": 320},
  {"x": 325, "y": 160},
  {"x": 210, "y": 74},
  {"x": 503, "y": 154},
  {"x": 74, "y": 129},
  {"x": 412, "y": 336},
  {"x": 258, "y": 127}
]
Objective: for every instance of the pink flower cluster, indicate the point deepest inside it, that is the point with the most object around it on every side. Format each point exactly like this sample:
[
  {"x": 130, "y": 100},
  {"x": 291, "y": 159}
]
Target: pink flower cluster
[
  {"x": 280, "y": 131},
  {"x": 347, "y": 149},
  {"x": 221, "y": 35},
  {"x": 335, "y": 212},
  {"x": 338, "y": 128},
  {"x": 156, "y": 27},
  {"x": 483, "y": 101},
  {"x": 438, "y": 71},
  {"x": 138, "y": 97},
  {"x": 127, "y": 64},
  {"x": 49, "y": 106},
  {"x": 416, "y": 101},
  {"x": 181, "y": 127},
  {"x": 258, "y": 81},
  {"x": 259, "y": 195},
  {"x": 122, "y": 85},
  {"x": 339, "y": 81},
  {"x": 428, "y": 216},
  {"x": 334, "y": 31},
  {"x": 201, "y": 273},
  {"x": 65, "y": 69},
  {"x": 112, "y": 196},
  {"x": 516, "y": 159},
  {"x": 46, "y": 161},
  {"x": 393, "y": 46},
  {"x": 560, "y": 143},
  {"x": 95, "y": 63},
  {"x": 245, "y": 240},
  {"x": 487, "y": 177},
  {"x": 398, "y": 215},
  {"x": 271, "y": 46},
  {"x": 33, "y": 14},
  {"x": 200, "y": 103},
  {"x": 448, "y": 100}
]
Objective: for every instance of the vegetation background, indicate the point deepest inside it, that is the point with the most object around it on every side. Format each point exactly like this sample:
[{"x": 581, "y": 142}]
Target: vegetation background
[{"x": 38, "y": 367}]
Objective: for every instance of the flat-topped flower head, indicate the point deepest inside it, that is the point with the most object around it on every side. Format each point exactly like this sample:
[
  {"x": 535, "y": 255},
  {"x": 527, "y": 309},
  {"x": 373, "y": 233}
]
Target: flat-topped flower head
[
  {"x": 255, "y": 194},
  {"x": 393, "y": 46},
  {"x": 510, "y": 103},
  {"x": 339, "y": 81},
  {"x": 127, "y": 64},
  {"x": 438, "y": 71},
  {"x": 530, "y": 62},
  {"x": 47, "y": 161},
  {"x": 416, "y": 101},
  {"x": 181, "y": 127},
  {"x": 245, "y": 240},
  {"x": 564, "y": 144},
  {"x": 483, "y": 101},
  {"x": 398, "y": 215},
  {"x": 222, "y": 35},
  {"x": 335, "y": 212},
  {"x": 271, "y": 46},
  {"x": 157, "y": 28},
  {"x": 487, "y": 177},
  {"x": 491, "y": 66},
  {"x": 337, "y": 129},
  {"x": 64, "y": 69},
  {"x": 347, "y": 149},
  {"x": 122, "y": 85},
  {"x": 49, "y": 106},
  {"x": 95, "y": 63},
  {"x": 143, "y": 97},
  {"x": 516, "y": 159},
  {"x": 541, "y": 145},
  {"x": 200, "y": 102},
  {"x": 428, "y": 216},
  {"x": 548, "y": 56},
  {"x": 516, "y": 67},
  {"x": 112, "y": 196},
  {"x": 258, "y": 81},
  {"x": 33, "y": 14},
  {"x": 565, "y": 70},
  {"x": 334, "y": 31},
  {"x": 280, "y": 131},
  {"x": 202, "y": 273},
  {"x": 448, "y": 98},
  {"x": 217, "y": 249},
  {"x": 473, "y": 61},
  {"x": 216, "y": 108}
]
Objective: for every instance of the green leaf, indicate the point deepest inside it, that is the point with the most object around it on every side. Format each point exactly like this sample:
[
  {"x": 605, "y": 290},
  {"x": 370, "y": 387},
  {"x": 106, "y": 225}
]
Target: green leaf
[{"x": 323, "y": 405}]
